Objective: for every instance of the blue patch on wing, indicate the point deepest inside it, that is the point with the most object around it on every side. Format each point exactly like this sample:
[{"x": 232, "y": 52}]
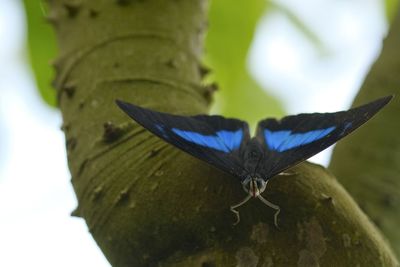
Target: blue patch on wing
[
  {"x": 225, "y": 141},
  {"x": 284, "y": 140}
]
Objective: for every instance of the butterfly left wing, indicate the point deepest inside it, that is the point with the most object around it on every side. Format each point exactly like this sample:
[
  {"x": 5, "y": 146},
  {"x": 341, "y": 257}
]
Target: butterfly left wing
[
  {"x": 213, "y": 139},
  {"x": 294, "y": 139}
]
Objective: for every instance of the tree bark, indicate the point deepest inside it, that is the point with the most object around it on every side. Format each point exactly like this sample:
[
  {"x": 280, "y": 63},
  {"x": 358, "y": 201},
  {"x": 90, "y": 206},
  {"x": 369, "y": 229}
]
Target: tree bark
[
  {"x": 367, "y": 163},
  {"x": 145, "y": 202}
]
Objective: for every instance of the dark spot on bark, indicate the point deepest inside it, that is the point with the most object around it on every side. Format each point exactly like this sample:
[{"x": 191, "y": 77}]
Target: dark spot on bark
[
  {"x": 209, "y": 91},
  {"x": 172, "y": 63},
  {"x": 93, "y": 13},
  {"x": 71, "y": 143},
  {"x": 81, "y": 104},
  {"x": 111, "y": 132},
  {"x": 388, "y": 200},
  {"x": 72, "y": 9}
]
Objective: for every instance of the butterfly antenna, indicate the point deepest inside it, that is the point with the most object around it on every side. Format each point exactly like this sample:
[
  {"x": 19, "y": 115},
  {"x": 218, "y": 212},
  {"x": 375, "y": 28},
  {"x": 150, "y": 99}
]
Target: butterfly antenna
[
  {"x": 271, "y": 205},
  {"x": 234, "y": 207}
]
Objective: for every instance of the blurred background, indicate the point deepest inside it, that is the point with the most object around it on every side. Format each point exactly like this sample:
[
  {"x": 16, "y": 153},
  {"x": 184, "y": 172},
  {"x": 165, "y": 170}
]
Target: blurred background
[{"x": 291, "y": 56}]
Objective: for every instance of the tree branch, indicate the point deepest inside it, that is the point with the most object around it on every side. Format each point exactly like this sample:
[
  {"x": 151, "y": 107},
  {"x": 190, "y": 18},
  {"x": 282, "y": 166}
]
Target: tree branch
[
  {"x": 145, "y": 202},
  {"x": 368, "y": 162}
]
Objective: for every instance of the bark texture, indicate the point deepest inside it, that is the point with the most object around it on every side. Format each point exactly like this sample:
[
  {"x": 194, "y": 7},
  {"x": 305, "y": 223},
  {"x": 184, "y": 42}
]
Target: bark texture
[
  {"x": 367, "y": 163},
  {"x": 148, "y": 204}
]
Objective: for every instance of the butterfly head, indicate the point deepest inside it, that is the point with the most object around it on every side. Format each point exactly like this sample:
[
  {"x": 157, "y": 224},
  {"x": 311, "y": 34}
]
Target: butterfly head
[{"x": 254, "y": 186}]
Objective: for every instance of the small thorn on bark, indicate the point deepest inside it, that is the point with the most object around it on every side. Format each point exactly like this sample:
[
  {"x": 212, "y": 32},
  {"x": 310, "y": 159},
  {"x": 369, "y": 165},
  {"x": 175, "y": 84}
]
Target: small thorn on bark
[
  {"x": 327, "y": 199},
  {"x": 209, "y": 91},
  {"x": 204, "y": 71},
  {"x": 69, "y": 88},
  {"x": 71, "y": 143},
  {"x": 111, "y": 132},
  {"x": 65, "y": 127},
  {"x": 72, "y": 9},
  {"x": 123, "y": 195},
  {"x": 76, "y": 212},
  {"x": 97, "y": 193}
]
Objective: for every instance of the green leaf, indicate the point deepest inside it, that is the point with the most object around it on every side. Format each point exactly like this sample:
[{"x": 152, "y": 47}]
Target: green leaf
[
  {"x": 41, "y": 49},
  {"x": 231, "y": 30},
  {"x": 391, "y": 9}
]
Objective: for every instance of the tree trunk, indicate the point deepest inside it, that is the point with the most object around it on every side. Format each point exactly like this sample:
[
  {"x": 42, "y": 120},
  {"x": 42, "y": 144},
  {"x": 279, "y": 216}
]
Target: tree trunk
[
  {"x": 145, "y": 202},
  {"x": 368, "y": 162}
]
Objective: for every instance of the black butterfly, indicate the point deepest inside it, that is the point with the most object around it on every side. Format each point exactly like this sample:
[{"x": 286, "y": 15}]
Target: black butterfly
[{"x": 278, "y": 144}]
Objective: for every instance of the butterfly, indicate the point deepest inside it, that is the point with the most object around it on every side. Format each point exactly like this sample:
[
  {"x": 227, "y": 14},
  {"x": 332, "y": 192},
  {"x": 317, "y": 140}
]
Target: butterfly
[{"x": 278, "y": 145}]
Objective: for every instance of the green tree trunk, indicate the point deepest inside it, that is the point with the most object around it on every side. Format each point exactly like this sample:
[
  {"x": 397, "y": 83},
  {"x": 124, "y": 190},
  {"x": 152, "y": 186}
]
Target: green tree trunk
[{"x": 148, "y": 204}]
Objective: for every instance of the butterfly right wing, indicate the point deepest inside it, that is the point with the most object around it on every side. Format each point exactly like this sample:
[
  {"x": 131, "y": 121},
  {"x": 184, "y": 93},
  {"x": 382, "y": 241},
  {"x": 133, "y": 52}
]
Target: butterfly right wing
[
  {"x": 294, "y": 139},
  {"x": 213, "y": 139}
]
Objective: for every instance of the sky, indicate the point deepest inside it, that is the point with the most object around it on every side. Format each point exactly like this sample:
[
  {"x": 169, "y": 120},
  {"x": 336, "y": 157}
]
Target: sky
[{"x": 36, "y": 196}]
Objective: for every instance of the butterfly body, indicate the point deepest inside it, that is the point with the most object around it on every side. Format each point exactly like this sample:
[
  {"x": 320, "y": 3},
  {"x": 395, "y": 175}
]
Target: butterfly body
[
  {"x": 278, "y": 144},
  {"x": 251, "y": 156}
]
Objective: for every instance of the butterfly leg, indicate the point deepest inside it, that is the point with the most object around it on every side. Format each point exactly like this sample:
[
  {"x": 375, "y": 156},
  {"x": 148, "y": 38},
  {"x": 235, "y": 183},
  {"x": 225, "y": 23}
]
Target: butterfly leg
[
  {"x": 234, "y": 207},
  {"x": 271, "y": 205}
]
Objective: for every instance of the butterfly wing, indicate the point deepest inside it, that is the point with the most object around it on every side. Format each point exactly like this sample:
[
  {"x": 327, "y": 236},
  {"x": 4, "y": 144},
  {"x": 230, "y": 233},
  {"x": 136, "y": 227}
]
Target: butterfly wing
[
  {"x": 213, "y": 139},
  {"x": 294, "y": 139}
]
